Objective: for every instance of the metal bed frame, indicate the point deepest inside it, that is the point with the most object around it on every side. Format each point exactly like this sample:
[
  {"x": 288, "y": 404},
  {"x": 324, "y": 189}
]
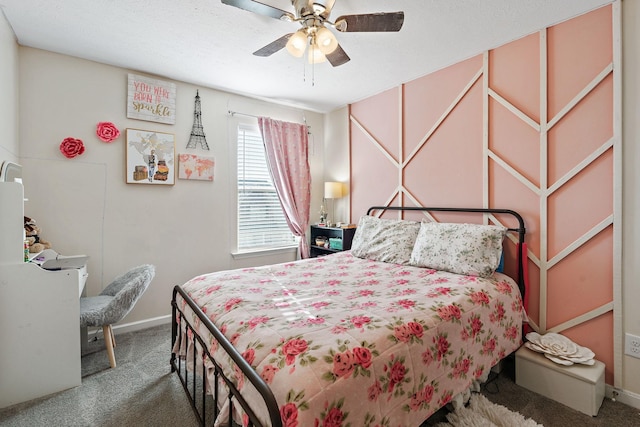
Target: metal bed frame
[{"x": 196, "y": 382}]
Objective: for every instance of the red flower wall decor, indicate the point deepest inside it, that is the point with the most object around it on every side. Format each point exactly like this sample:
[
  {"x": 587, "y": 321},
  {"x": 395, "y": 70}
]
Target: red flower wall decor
[
  {"x": 71, "y": 147},
  {"x": 107, "y": 131}
]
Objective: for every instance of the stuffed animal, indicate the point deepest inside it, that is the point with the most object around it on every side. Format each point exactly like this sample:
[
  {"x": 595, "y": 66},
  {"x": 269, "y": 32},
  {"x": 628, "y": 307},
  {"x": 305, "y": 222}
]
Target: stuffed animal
[{"x": 32, "y": 231}]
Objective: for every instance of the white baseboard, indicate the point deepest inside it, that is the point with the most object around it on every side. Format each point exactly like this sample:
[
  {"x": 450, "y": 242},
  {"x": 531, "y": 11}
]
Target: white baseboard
[
  {"x": 142, "y": 324},
  {"x": 627, "y": 397},
  {"x": 133, "y": 326}
]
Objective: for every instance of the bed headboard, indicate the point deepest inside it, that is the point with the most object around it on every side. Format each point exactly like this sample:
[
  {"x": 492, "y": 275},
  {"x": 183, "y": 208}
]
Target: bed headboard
[{"x": 520, "y": 229}]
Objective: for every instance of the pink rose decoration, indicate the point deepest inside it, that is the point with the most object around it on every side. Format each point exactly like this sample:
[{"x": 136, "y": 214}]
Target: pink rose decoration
[
  {"x": 249, "y": 355},
  {"x": 362, "y": 356},
  {"x": 396, "y": 374},
  {"x": 268, "y": 372},
  {"x": 416, "y": 329},
  {"x": 289, "y": 415},
  {"x": 107, "y": 131},
  {"x": 360, "y": 321},
  {"x": 292, "y": 348},
  {"x": 449, "y": 312},
  {"x": 374, "y": 391},
  {"x": 343, "y": 364},
  {"x": 402, "y": 333},
  {"x": 442, "y": 345},
  {"x": 71, "y": 147},
  {"x": 334, "y": 418}
]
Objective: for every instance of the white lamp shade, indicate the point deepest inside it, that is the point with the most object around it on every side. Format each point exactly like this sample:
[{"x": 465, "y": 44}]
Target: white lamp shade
[
  {"x": 326, "y": 41},
  {"x": 315, "y": 55},
  {"x": 332, "y": 190},
  {"x": 297, "y": 44}
]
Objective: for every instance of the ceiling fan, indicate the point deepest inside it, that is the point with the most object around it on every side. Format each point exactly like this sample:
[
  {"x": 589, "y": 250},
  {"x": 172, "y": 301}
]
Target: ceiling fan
[{"x": 313, "y": 15}]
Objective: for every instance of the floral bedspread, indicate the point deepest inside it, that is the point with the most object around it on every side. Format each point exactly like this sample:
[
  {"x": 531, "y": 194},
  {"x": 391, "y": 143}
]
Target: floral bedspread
[{"x": 344, "y": 341}]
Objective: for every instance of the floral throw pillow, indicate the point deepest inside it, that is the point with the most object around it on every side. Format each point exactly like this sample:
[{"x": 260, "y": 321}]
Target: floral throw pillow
[
  {"x": 385, "y": 240},
  {"x": 469, "y": 249}
]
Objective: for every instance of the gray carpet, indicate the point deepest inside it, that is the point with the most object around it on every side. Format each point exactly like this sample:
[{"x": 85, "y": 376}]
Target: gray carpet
[
  {"x": 141, "y": 391},
  {"x": 502, "y": 390}
]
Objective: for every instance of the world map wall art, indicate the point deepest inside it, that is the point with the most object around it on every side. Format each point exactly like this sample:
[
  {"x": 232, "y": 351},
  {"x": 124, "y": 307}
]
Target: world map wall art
[
  {"x": 195, "y": 167},
  {"x": 150, "y": 157}
]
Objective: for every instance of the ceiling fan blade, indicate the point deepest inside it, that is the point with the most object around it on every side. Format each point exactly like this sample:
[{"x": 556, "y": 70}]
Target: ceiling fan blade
[
  {"x": 274, "y": 46},
  {"x": 338, "y": 57},
  {"x": 260, "y": 9},
  {"x": 370, "y": 22}
]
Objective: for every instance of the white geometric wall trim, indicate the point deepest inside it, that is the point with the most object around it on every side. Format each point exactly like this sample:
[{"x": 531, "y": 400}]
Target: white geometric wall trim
[
  {"x": 596, "y": 312},
  {"x": 513, "y": 109},
  {"x": 504, "y": 165},
  {"x": 442, "y": 118},
  {"x": 580, "y": 96},
  {"x": 375, "y": 142},
  {"x": 573, "y": 246},
  {"x": 543, "y": 191},
  {"x": 580, "y": 166}
]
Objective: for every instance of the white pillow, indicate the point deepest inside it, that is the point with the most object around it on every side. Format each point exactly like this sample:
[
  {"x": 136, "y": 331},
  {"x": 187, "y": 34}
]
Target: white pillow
[
  {"x": 386, "y": 240},
  {"x": 469, "y": 249}
]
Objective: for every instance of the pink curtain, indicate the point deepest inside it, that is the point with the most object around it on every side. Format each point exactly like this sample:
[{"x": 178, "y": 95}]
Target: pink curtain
[{"x": 287, "y": 148}]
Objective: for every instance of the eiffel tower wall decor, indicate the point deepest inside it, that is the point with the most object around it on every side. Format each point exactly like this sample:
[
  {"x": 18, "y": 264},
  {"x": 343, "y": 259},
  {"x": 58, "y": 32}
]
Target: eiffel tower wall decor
[{"x": 197, "y": 132}]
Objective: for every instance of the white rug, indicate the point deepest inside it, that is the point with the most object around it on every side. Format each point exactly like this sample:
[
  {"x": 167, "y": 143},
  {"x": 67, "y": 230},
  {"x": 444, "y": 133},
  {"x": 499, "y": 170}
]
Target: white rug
[{"x": 480, "y": 412}]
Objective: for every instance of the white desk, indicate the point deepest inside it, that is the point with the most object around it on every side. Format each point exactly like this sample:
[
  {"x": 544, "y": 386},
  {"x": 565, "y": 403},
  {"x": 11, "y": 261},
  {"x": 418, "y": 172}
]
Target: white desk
[
  {"x": 39, "y": 257},
  {"x": 39, "y": 314},
  {"x": 39, "y": 331}
]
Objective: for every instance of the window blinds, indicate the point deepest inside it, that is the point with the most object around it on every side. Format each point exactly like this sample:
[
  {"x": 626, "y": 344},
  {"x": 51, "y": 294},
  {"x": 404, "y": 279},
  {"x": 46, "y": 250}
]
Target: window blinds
[{"x": 261, "y": 222}]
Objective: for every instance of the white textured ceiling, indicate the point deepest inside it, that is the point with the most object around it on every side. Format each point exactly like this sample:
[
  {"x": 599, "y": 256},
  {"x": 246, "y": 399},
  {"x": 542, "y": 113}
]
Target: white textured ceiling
[{"x": 207, "y": 43}]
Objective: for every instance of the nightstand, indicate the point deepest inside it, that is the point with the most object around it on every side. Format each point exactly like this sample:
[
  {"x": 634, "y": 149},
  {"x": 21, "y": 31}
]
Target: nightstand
[{"x": 345, "y": 234}]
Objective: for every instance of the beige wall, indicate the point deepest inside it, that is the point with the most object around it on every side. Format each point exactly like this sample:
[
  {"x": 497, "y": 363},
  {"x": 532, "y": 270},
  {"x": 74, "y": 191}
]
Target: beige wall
[
  {"x": 8, "y": 92},
  {"x": 336, "y": 162},
  {"x": 84, "y": 206},
  {"x": 631, "y": 187}
]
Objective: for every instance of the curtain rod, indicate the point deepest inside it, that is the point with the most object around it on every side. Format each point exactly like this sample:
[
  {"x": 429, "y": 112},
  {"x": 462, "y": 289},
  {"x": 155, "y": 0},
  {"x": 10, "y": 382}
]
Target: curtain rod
[{"x": 233, "y": 113}]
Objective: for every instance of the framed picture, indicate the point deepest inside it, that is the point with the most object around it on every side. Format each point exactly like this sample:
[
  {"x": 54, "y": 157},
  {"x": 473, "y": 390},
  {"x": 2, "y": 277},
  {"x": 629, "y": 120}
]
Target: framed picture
[
  {"x": 151, "y": 99},
  {"x": 195, "y": 167},
  {"x": 150, "y": 157}
]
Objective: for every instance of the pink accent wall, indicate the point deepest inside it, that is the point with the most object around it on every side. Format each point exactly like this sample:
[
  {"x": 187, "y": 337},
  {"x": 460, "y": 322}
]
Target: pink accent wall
[
  {"x": 578, "y": 50},
  {"x": 514, "y": 141},
  {"x": 514, "y": 69}
]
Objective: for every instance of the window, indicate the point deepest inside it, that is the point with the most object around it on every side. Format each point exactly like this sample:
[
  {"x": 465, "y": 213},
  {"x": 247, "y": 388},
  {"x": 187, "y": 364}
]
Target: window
[{"x": 261, "y": 221}]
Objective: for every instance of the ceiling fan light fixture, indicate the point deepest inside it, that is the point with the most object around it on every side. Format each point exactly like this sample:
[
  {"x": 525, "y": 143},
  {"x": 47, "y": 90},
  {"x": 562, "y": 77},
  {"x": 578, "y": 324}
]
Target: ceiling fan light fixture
[
  {"x": 313, "y": 16},
  {"x": 318, "y": 9},
  {"x": 315, "y": 55},
  {"x": 326, "y": 40},
  {"x": 297, "y": 44},
  {"x": 341, "y": 25},
  {"x": 321, "y": 6}
]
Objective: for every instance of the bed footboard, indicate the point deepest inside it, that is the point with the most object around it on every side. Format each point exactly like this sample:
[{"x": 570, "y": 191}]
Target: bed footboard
[{"x": 206, "y": 399}]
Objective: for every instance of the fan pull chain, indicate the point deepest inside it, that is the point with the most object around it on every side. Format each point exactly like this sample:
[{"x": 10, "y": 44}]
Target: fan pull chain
[{"x": 313, "y": 62}]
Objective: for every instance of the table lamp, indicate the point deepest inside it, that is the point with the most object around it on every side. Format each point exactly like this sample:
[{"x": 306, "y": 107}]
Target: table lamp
[{"x": 332, "y": 190}]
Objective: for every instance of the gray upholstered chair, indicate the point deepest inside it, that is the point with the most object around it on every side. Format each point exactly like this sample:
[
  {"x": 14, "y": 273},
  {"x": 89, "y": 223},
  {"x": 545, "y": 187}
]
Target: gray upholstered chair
[{"x": 115, "y": 302}]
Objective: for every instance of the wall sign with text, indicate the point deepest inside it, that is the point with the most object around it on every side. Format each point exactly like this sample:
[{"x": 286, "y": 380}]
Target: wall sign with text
[{"x": 151, "y": 99}]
